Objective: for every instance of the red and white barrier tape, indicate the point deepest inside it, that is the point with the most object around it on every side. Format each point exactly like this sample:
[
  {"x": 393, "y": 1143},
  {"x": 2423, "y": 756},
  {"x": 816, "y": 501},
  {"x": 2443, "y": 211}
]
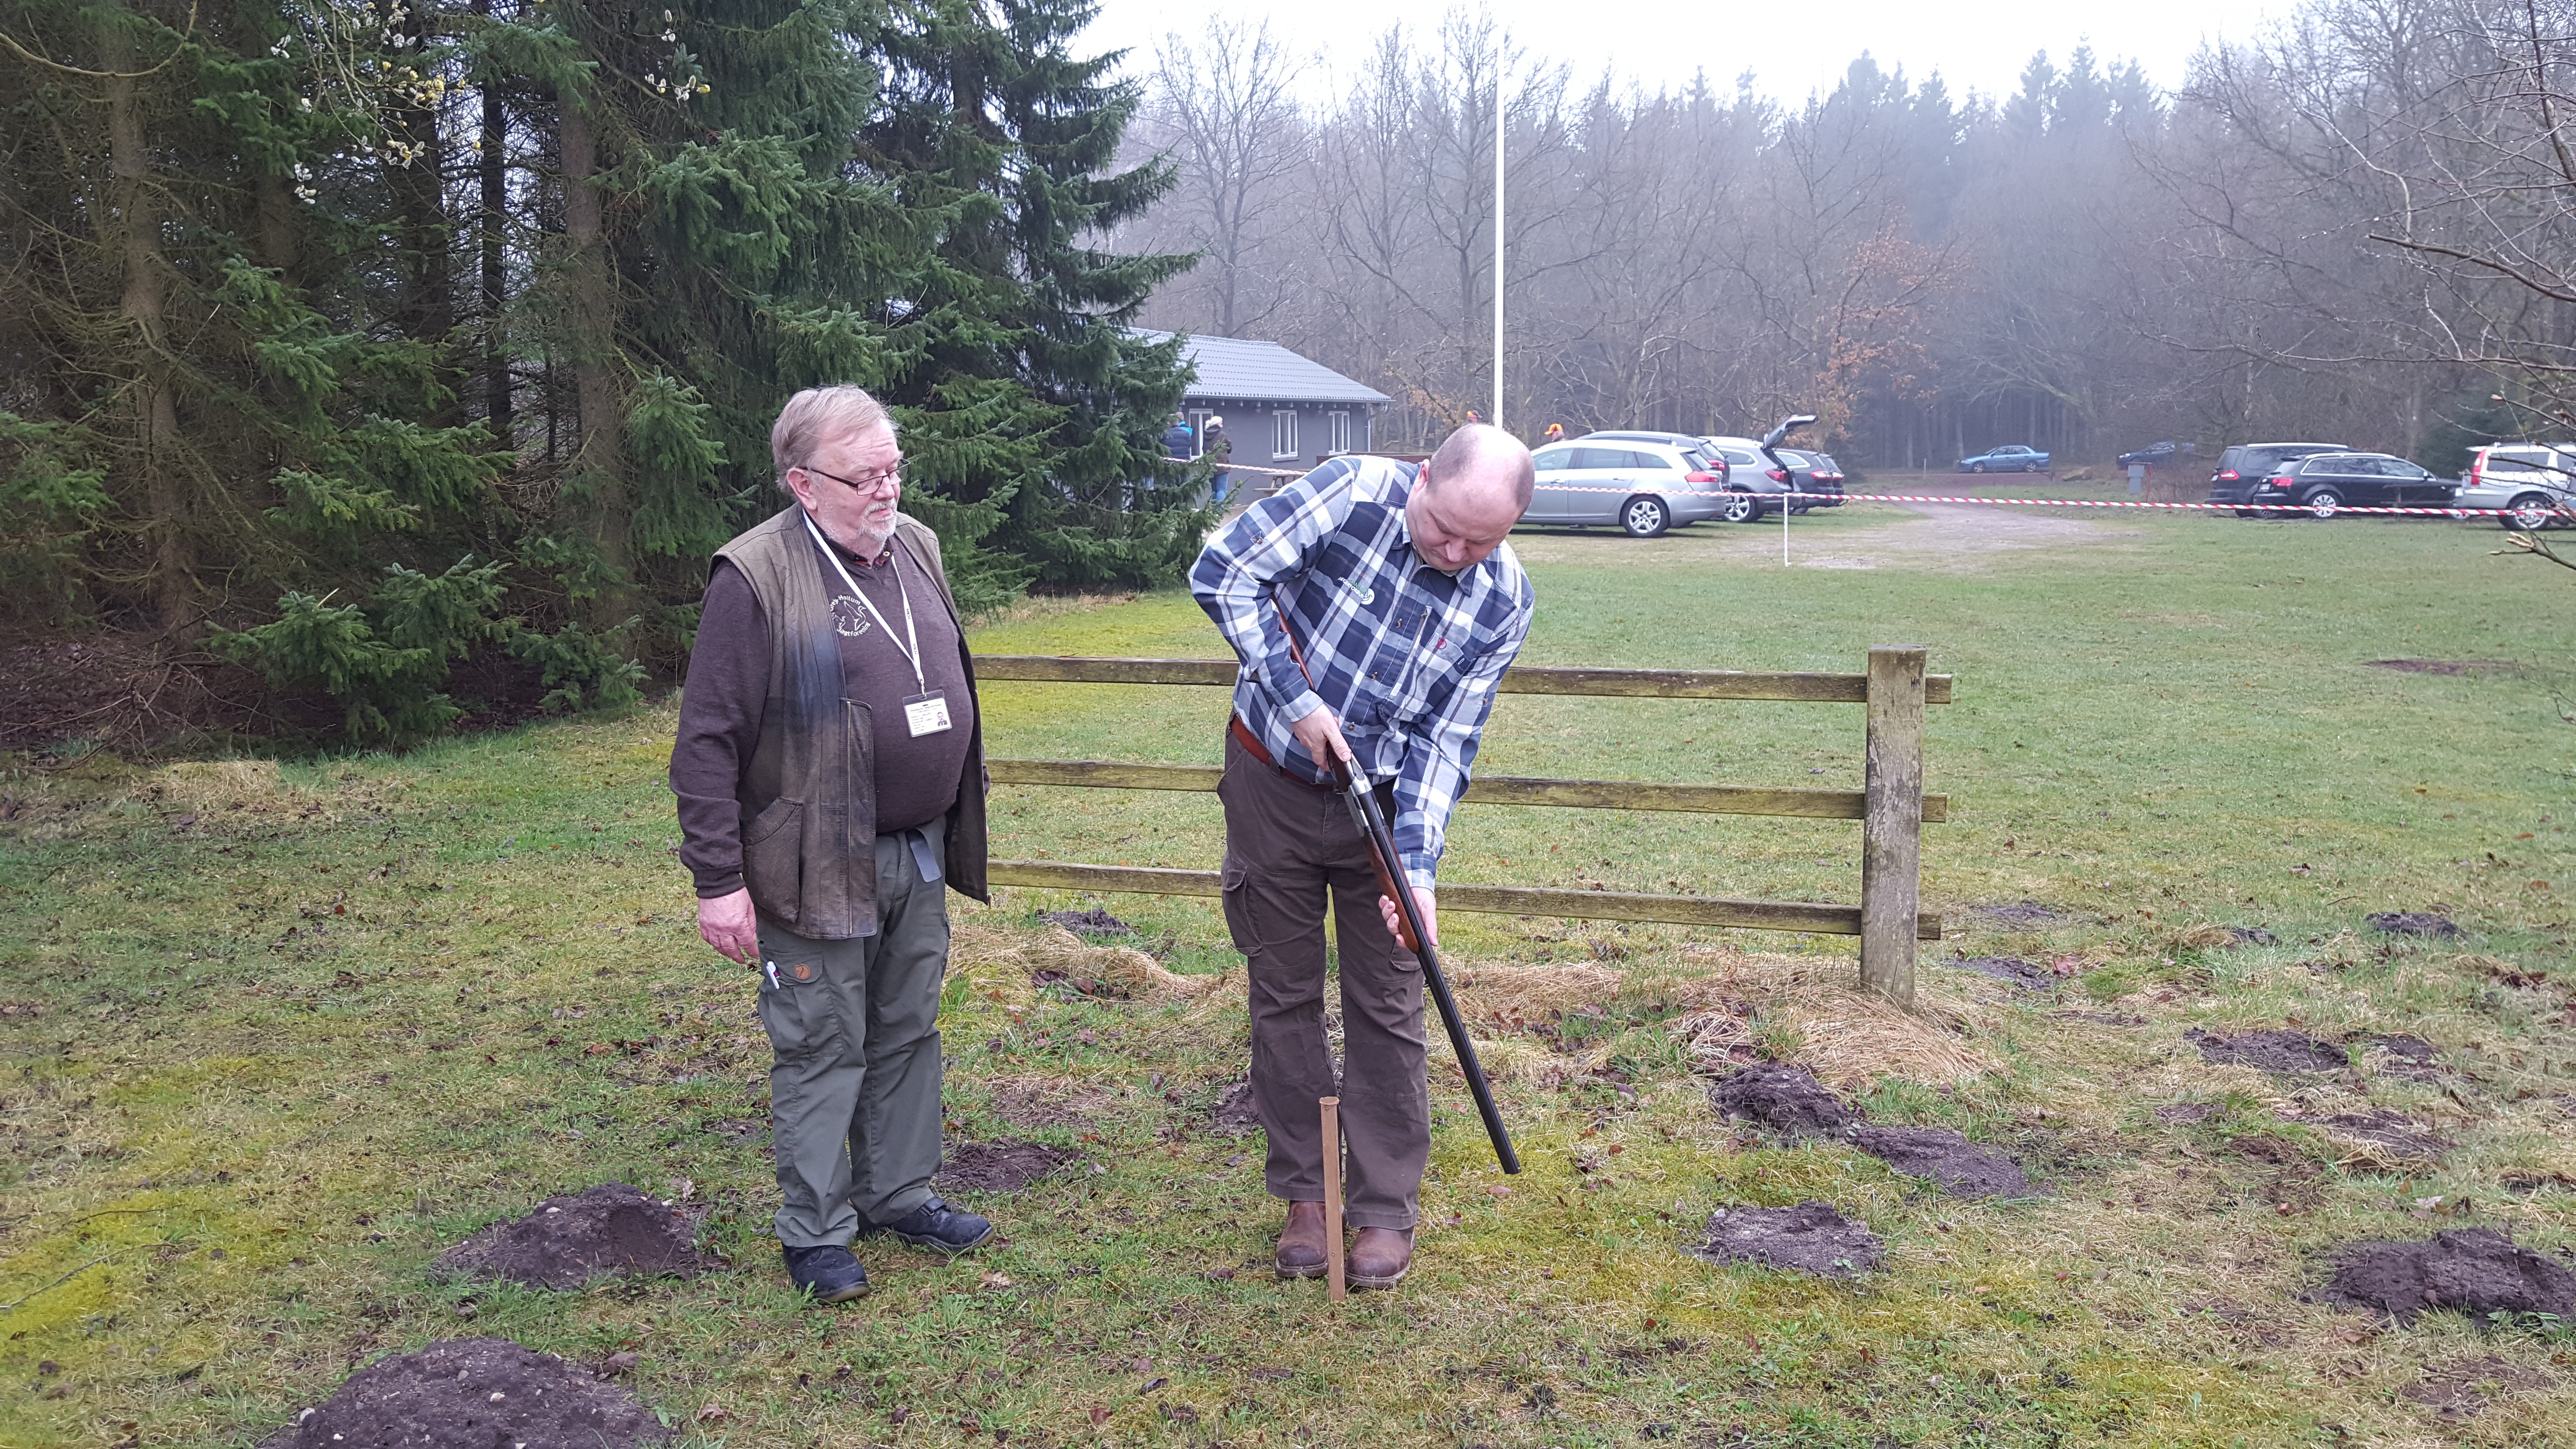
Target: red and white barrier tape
[{"x": 2339, "y": 509}]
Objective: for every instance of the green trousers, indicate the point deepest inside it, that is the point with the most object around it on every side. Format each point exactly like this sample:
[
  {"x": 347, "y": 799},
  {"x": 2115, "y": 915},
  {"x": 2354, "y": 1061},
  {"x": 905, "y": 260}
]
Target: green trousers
[{"x": 854, "y": 1040}]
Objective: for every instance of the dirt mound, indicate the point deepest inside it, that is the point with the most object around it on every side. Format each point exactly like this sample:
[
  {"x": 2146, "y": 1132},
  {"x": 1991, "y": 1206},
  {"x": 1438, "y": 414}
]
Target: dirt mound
[
  {"x": 473, "y": 1393},
  {"x": 2414, "y": 923},
  {"x": 2028, "y": 975},
  {"x": 1961, "y": 1167},
  {"x": 1235, "y": 1113},
  {"x": 1786, "y": 1100},
  {"x": 2476, "y": 1271},
  {"x": 1091, "y": 922},
  {"x": 999, "y": 1166},
  {"x": 2272, "y": 1051},
  {"x": 611, "y": 1230},
  {"x": 1808, "y": 1238}
]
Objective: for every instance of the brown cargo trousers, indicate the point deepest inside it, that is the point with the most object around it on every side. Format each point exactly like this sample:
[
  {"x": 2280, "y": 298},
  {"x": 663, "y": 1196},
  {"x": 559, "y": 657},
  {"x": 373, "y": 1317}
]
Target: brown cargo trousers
[{"x": 1287, "y": 846}]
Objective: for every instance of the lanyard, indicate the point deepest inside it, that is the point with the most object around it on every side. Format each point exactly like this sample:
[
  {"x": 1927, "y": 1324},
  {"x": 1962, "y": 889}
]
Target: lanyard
[{"x": 911, "y": 645}]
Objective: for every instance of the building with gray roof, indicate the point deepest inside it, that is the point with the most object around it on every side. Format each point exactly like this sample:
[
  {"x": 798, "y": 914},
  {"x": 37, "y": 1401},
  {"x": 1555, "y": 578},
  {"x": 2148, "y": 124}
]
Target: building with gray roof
[{"x": 1281, "y": 409}]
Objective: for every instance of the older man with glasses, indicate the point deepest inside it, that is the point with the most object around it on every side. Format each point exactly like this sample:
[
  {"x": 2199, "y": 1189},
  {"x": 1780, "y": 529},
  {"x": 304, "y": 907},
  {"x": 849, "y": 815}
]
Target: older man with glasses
[{"x": 829, "y": 769}]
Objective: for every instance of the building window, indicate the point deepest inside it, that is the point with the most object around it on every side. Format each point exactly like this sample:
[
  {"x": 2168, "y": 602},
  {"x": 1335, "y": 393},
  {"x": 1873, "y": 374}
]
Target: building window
[
  {"x": 1283, "y": 433},
  {"x": 1339, "y": 426},
  {"x": 1198, "y": 430}
]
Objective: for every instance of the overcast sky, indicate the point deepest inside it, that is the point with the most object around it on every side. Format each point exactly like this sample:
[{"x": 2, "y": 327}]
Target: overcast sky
[{"x": 1792, "y": 49}]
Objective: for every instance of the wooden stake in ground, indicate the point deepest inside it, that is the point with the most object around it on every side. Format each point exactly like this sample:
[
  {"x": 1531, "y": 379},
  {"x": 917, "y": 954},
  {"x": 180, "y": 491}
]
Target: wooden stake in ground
[
  {"x": 1332, "y": 1107},
  {"x": 1891, "y": 829}
]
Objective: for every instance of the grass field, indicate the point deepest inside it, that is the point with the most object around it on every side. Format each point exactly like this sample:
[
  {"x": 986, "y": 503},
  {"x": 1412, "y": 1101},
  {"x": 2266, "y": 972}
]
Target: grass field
[{"x": 274, "y": 1037}]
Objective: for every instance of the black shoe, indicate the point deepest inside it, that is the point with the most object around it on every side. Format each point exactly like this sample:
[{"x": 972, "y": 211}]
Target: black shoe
[
  {"x": 828, "y": 1272},
  {"x": 935, "y": 1224}
]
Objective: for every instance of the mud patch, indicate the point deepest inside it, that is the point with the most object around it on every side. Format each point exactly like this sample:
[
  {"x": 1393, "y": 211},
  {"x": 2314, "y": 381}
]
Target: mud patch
[
  {"x": 1093, "y": 922},
  {"x": 1785, "y": 1100},
  {"x": 2272, "y": 1051},
  {"x": 2438, "y": 666},
  {"x": 473, "y": 1393},
  {"x": 2382, "y": 1135},
  {"x": 999, "y": 1166},
  {"x": 2476, "y": 1271},
  {"x": 2401, "y": 1056},
  {"x": 2463, "y": 1387},
  {"x": 1961, "y": 1167},
  {"x": 1235, "y": 1113},
  {"x": 1029, "y": 1103},
  {"x": 2414, "y": 923},
  {"x": 2028, "y": 975},
  {"x": 2024, "y": 916},
  {"x": 1808, "y": 1238},
  {"x": 612, "y": 1230}
]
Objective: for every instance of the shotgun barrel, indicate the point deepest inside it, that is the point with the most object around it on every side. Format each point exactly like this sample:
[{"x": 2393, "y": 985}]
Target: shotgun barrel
[{"x": 1390, "y": 879}]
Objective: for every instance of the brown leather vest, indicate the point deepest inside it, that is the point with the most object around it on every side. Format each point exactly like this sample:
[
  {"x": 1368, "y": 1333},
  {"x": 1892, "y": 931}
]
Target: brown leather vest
[{"x": 808, "y": 798}]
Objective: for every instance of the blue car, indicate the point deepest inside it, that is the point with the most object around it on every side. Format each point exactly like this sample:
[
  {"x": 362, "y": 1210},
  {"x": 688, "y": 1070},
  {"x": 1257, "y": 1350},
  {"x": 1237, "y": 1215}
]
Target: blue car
[{"x": 2010, "y": 458}]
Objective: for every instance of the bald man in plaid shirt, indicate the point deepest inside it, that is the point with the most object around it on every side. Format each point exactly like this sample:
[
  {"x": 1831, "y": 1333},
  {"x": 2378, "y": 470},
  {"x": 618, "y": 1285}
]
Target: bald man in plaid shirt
[{"x": 1408, "y": 606}]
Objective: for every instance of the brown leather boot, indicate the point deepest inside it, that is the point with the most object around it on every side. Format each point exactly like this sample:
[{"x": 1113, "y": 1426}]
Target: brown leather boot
[
  {"x": 1301, "y": 1243},
  {"x": 1381, "y": 1257}
]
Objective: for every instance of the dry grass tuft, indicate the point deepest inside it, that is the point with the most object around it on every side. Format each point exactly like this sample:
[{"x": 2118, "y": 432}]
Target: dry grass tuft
[
  {"x": 1739, "y": 1000},
  {"x": 222, "y": 784},
  {"x": 1002, "y": 962}
]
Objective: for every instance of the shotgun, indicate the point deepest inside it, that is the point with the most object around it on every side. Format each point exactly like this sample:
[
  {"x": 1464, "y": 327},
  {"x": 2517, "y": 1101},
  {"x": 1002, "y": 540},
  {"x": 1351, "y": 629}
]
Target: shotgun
[{"x": 1362, "y": 799}]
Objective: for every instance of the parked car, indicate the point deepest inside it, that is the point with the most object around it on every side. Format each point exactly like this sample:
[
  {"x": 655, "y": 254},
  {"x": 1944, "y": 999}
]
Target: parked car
[
  {"x": 1813, "y": 473},
  {"x": 2010, "y": 458},
  {"x": 1750, "y": 476},
  {"x": 1643, "y": 482},
  {"x": 2243, "y": 470},
  {"x": 2536, "y": 481},
  {"x": 2153, "y": 455},
  {"x": 2324, "y": 484}
]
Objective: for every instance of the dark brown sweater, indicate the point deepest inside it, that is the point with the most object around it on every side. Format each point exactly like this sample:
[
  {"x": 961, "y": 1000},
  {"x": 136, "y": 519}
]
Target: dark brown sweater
[{"x": 720, "y": 709}]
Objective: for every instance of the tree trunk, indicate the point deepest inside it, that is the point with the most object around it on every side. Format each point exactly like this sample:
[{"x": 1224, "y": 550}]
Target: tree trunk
[
  {"x": 133, "y": 209},
  {"x": 428, "y": 308},
  {"x": 496, "y": 270},
  {"x": 493, "y": 170},
  {"x": 598, "y": 470}
]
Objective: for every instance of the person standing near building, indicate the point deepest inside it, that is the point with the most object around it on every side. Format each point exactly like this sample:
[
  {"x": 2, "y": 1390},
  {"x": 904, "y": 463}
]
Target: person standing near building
[
  {"x": 1216, "y": 447},
  {"x": 830, "y": 775},
  {"x": 1407, "y": 605},
  {"x": 1177, "y": 440}
]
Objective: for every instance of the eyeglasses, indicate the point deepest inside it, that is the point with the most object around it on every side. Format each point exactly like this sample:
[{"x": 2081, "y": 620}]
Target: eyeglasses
[{"x": 873, "y": 483}]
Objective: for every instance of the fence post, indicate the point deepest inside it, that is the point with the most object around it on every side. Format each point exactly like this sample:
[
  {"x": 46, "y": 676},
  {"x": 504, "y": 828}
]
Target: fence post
[{"x": 1891, "y": 831}]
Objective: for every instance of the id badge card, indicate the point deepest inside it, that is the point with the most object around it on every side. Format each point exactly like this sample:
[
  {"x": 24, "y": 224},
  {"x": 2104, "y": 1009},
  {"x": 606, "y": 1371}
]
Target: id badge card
[{"x": 926, "y": 714}]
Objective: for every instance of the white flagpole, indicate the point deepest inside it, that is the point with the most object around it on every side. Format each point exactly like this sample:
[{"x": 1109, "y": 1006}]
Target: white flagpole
[{"x": 1498, "y": 235}]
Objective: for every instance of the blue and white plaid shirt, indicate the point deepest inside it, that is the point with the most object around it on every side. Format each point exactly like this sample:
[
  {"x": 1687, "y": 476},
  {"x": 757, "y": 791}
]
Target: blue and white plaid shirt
[{"x": 1406, "y": 656}]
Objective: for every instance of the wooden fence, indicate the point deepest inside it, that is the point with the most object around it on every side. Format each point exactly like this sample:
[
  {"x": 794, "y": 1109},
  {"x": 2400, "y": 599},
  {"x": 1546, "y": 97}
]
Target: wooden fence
[{"x": 1891, "y": 805}]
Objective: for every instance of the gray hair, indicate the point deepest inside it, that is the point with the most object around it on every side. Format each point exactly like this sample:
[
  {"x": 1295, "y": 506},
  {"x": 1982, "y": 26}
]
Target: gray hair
[
  {"x": 818, "y": 413},
  {"x": 1482, "y": 448}
]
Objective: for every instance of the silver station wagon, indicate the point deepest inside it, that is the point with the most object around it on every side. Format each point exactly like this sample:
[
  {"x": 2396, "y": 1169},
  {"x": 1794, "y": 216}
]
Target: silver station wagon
[{"x": 1643, "y": 482}]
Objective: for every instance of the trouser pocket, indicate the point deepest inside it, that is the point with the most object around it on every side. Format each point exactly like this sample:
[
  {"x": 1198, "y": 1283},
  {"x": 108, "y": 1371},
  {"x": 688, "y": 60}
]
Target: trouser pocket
[
  {"x": 796, "y": 1000},
  {"x": 1242, "y": 912}
]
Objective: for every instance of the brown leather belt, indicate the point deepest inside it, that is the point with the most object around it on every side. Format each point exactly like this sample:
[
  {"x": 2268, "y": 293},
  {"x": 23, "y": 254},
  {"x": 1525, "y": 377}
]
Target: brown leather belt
[{"x": 1253, "y": 746}]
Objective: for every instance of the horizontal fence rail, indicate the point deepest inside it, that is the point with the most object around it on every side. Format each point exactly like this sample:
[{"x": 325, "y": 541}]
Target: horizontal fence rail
[
  {"x": 1806, "y": 803},
  {"x": 1791, "y": 686},
  {"x": 1819, "y": 918},
  {"x": 1891, "y": 807}
]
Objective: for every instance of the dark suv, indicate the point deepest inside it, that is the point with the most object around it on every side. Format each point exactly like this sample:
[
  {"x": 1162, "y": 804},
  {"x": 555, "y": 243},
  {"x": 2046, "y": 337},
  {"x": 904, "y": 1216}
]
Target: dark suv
[{"x": 2243, "y": 471}]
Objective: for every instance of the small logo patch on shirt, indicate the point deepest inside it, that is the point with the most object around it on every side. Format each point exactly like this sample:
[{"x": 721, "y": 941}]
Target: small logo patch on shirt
[{"x": 849, "y": 617}]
